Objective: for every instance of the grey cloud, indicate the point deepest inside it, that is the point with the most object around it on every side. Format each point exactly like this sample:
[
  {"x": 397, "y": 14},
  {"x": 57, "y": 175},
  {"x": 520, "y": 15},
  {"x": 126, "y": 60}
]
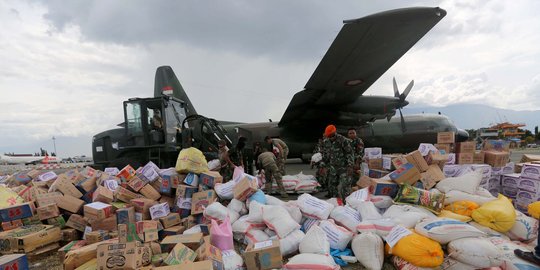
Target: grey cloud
[{"x": 283, "y": 29}]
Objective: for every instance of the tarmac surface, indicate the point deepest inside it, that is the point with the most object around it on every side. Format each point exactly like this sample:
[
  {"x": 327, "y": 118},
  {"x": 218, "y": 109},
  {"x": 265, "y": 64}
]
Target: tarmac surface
[{"x": 51, "y": 261}]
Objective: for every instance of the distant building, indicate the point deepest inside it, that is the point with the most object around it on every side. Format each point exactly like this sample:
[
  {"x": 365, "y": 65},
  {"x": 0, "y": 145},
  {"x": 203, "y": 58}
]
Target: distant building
[{"x": 506, "y": 131}]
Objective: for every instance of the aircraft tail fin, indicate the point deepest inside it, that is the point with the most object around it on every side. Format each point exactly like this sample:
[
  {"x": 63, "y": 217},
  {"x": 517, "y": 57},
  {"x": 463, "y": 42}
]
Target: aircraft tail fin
[{"x": 166, "y": 83}]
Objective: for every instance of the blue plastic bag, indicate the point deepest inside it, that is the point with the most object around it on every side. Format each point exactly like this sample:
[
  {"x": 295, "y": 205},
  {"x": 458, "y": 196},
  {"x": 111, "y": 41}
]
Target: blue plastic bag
[
  {"x": 336, "y": 253},
  {"x": 258, "y": 197}
]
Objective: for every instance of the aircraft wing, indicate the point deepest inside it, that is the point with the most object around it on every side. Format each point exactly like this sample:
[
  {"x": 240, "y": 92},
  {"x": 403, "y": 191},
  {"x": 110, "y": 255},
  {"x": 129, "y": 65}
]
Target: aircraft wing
[{"x": 362, "y": 51}]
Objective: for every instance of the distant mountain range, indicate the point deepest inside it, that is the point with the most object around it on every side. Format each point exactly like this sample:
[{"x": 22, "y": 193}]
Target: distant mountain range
[{"x": 474, "y": 116}]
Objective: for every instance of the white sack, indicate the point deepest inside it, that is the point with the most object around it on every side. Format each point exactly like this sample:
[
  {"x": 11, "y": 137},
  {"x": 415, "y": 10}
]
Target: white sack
[
  {"x": 444, "y": 230},
  {"x": 382, "y": 202},
  {"x": 256, "y": 212},
  {"x": 315, "y": 242},
  {"x": 225, "y": 191},
  {"x": 255, "y": 236},
  {"x": 467, "y": 183},
  {"x": 231, "y": 260},
  {"x": 346, "y": 216},
  {"x": 312, "y": 261},
  {"x": 478, "y": 252},
  {"x": 291, "y": 242},
  {"x": 369, "y": 250},
  {"x": 368, "y": 211},
  {"x": 237, "y": 206},
  {"x": 278, "y": 219},
  {"x": 338, "y": 236},
  {"x": 294, "y": 211},
  {"x": 381, "y": 227},
  {"x": 456, "y": 195},
  {"x": 405, "y": 215},
  {"x": 313, "y": 207},
  {"x": 358, "y": 196},
  {"x": 511, "y": 261},
  {"x": 271, "y": 200},
  {"x": 219, "y": 212},
  {"x": 525, "y": 228},
  {"x": 310, "y": 222}
]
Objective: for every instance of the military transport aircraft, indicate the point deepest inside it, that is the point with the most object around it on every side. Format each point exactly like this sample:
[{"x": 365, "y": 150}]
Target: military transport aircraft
[{"x": 362, "y": 51}]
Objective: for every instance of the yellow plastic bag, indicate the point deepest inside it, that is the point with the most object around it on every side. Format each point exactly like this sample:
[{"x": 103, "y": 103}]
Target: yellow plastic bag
[
  {"x": 418, "y": 250},
  {"x": 499, "y": 214},
  {"x": 191, "y": 160},
  {"x": 452, "y": 215},
  {"x": 534, "y": 210},
  {"x": 464, "y": 208}
]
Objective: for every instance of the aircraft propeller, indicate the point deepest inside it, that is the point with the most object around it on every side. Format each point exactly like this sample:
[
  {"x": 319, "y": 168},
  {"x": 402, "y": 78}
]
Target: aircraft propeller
[{"x": 402, "y": 102}]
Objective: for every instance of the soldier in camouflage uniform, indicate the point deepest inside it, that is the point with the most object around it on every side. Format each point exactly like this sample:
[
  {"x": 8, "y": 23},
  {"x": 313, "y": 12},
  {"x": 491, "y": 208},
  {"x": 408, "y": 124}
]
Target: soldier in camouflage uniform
[
  {"x": 320, "y": 174},
  {"x": 358, "y": 148},
  {"x": 338, "y": 157}
]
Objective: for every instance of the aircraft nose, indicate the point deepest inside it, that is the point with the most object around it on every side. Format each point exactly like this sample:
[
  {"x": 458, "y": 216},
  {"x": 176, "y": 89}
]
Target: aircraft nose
[{"x": 462, "y": 135}]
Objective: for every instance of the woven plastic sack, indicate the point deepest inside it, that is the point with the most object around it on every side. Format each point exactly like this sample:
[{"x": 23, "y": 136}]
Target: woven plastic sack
[
  {"x": 221, "y": 234},
  {"x": 452, "y": 215},
  {"x": 381, "y": 227},
  {"x": 338, "y": 236},
  {"x": 368, "y": 211},
  {"x": 452, "y": 264},
  {"x": 357, "y": 197},
  {"x": 525, "y": 228},
  {"x": 237, "y": 206},
  {"x": 511, "y": 261},
  {"x": 191, "y": 160},
  {"x": 489, "y": 231},
  {"x": 478, "y": 252},
  {"x": 279, "y": 220},
  {"x": 498, "y": 215},
  {"x": 408, "y": 194},
  {"x": 214, "y": 165},
  {"x": 232, "y": 260},
  {"x": 315, "y": 242},
  {"x": 369, "y": 250},
  {"x": 294, "y": 211},
  {"x": 312, "y": 261},
  {"x": 401, "y": 264},
  {"x": 405, "y": 215},
  {"x": 464, "y": 208},
  {"x": 456, "y": 196},
  {"x": 468, "y": 183},
  {"x": 314, "y": 208},
  {"x": 289, "y": 244},
  {"x": 271, "y": 200},
  {"x": 308, "y": 223},
  {"x": 382, "y": 202},
  {"x": 347, "y": 217},
  {"x": 255, "y": 236},
  {"x": 418, "y": 250},
  {"x": 219, "y": 212},
  {"x": 446, "y": 230}
]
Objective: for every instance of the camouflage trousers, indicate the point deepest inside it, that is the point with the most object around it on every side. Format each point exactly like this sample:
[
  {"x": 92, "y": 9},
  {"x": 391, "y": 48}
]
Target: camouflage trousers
[
  {"x": 339, "y": 183},
  {"x": 280, "y": 163},
  {"x": 320, "y": 175},
  {"x": 272, "y": 172}
]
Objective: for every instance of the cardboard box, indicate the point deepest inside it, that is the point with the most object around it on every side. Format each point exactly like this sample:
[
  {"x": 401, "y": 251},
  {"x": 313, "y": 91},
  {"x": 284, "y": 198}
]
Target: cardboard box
[
  {"x": 445, "y": 137},
  {"x": 103, "y": 194},
  {"x": 375, "y": 163},
  {"x": 58, "y": 221},
  {"x": 373, "y": 152},
  {"x": 159, "y": 210},
  {"x": 205, "y": 198},
  {"x": 263, "y": 255},
  {"x": 122, "y": 256},
  {"x": 150, "y": 192},
  {"x": 399, "y": 161},
  {"x": 243, "y": 190},
  {"x": 125, "y": 195},
  {"x": 510, "y": 180},
  {"x": 210, "y": 178},
  {"x": 87, "y": 184},
  {"x": 97, "y": 210},
  {"x": 126, "y": 173},
  {"x": 496, "y": 146},
  {"x": 431, "y": 177},
  {"x": 150, "y": 172},
  {"x": 211, "y": 253},
  {"x": 18, "y": 211},
  {"x": 107, "y": 224},
  {"x": 464, "y": 158},
  {"x": 383, "y": 187},
  {"x": 96, "y": 236},
  {"x": 29, "y": 238},
  {"x": 170, "y": 220},
  {"x": 69, "y": 235},
  {"x": 531, "y": 185},
  {"x": 478, "y": 157},
  {"x": 147, "y": 230},
  {"x": 426, "y": 148},
  {"x": 183, "y": 191},
  {"x": 444, "y": 148},
  {"x": 174, "y": 230},
  {"x": 142, "y": 205},
  {"x": 416, "y": 159},
  {"x": 112, "y": 171},
  {"x": 510, "y": 192},
  {"x": 407, "y": 173},
  {"x": 128, "y": 233},
  {"x": 377, "y": 173},
  {"x": 525, "y": 197},
  {"x": 14, "y": 262},
  {"x": 387, "y": 163},
  {"x": 48, "y": 211},
  {"x": 11, "y": 225},
  {"x": 531, "y": 171},
  {"x": 125, "y": 215},
  {"x": 193, "y": 241},
  {"x": 77, "y": 222},
  {"x": 70, "y": 203},
  {"x": 136, "y": 183},
  {"x": 465, "y": 147},
  {"x": 180, "y": 254},
  {"x": 75, "y": 257},
  {"x": 496, "y": 159},
  {"x": 65, "y": 186}
]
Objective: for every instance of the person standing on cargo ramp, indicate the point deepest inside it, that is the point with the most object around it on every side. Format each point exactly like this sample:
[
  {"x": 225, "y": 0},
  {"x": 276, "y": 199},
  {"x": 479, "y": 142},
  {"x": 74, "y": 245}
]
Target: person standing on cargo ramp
[
  {"x": 338, "y": 157},
  {"x": 267, "y": 161},
  {"x": 283, "y": 151},
  {"x": 358, "y": 148}
]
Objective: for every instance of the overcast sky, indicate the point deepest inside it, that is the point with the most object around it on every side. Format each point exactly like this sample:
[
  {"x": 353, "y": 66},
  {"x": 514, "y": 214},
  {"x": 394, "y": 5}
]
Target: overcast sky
[{"x": 68, "y": 65}]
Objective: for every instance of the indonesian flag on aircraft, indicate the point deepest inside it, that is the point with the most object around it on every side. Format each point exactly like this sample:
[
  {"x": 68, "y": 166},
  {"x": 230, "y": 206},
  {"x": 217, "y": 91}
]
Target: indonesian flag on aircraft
[{"x": 167, "y": 90}]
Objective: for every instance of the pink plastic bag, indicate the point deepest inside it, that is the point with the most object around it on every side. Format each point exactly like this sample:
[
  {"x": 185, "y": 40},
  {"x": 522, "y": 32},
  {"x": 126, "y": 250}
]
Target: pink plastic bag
[
  {"x": 238, "y": 174},
  {"x": 221, "y": 235}
]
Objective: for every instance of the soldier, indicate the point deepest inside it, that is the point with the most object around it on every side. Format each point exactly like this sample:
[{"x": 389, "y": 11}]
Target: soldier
[
  {"x": 358, "y": 148},
  {"x": 236, "y": 155},
  {"x": 283, "y": 150},
  {"x": 320, "y": 174},
  {"x": 267, "y": 161},
  {"x": 338, "y": 157},
  {"x": 227, "y": 166}
]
